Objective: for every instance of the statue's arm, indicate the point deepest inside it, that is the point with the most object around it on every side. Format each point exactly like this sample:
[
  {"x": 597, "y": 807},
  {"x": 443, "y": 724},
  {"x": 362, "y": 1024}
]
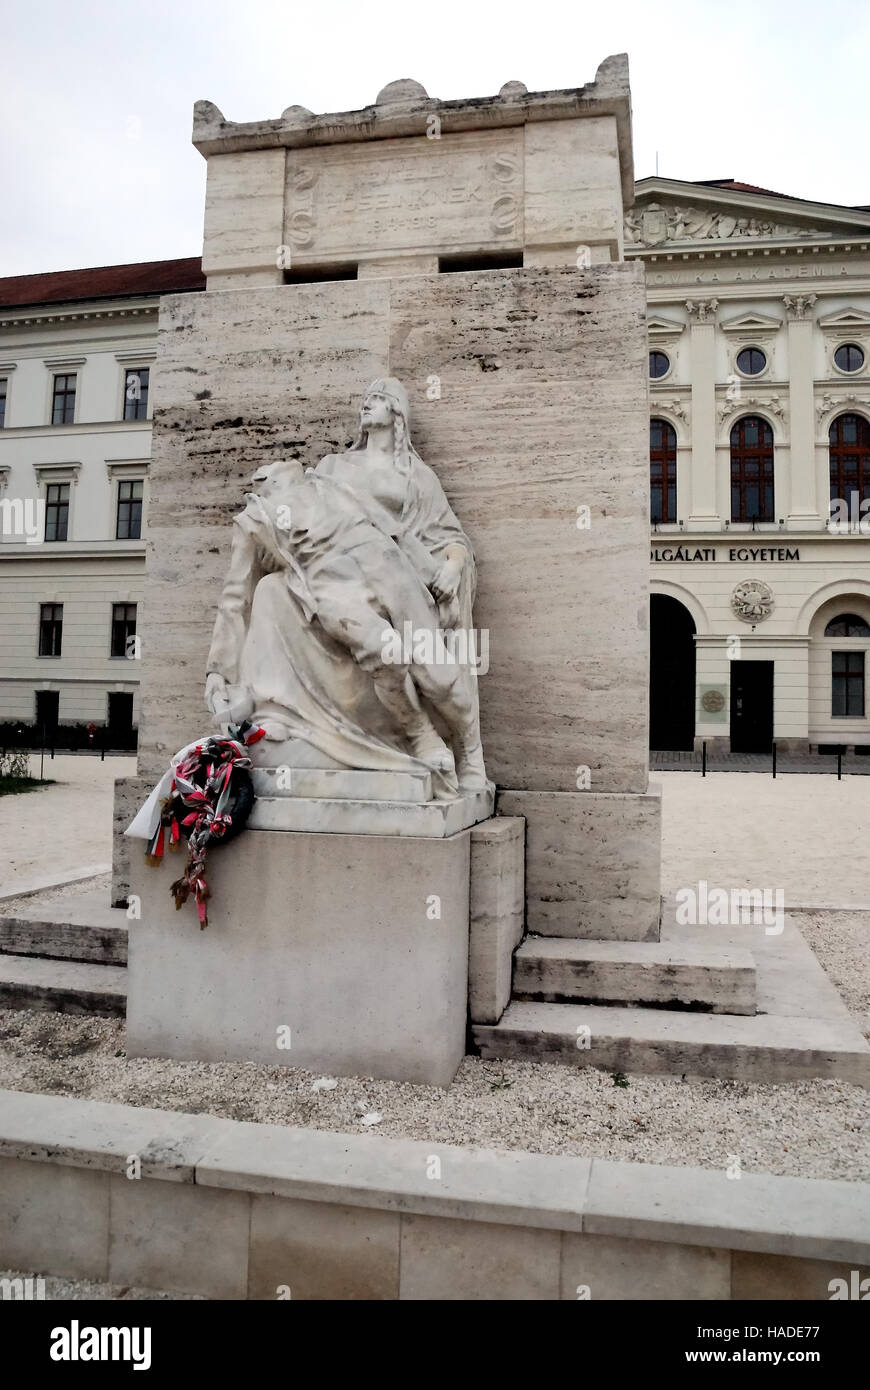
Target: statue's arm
[{"x": 234, "y": 607}]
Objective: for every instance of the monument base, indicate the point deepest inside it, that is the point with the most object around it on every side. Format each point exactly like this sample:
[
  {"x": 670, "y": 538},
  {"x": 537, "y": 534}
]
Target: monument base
[
  {"x": 343, "y": 954},
  {"x": 341, "y": 815}
]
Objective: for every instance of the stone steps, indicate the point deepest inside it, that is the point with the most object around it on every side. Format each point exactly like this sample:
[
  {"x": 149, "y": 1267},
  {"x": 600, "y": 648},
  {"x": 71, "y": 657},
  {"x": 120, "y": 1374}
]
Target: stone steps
[
  {"x": 62, "y": 986},
  {"x": 680, "y": 1043},
  {"x": 559, "y": 969},
  {"x": 83, "y": 929}
]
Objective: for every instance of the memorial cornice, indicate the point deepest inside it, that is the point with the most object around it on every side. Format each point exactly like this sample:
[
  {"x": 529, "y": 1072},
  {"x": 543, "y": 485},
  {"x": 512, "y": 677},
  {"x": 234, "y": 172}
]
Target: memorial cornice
[{"x": 403, "y": 109}]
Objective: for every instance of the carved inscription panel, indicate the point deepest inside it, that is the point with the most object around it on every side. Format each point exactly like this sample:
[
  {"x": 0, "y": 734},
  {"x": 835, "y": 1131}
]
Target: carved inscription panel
[{"x": 436, "y": 195}]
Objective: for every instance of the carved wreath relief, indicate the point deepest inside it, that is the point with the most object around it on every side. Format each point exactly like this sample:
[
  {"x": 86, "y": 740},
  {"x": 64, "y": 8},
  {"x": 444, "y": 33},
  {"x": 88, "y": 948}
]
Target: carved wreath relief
[{"x": 752, "y": 601}]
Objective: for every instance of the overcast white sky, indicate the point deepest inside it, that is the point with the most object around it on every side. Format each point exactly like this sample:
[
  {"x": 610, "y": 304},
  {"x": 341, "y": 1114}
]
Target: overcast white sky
[{"x": 96, "y": 96}]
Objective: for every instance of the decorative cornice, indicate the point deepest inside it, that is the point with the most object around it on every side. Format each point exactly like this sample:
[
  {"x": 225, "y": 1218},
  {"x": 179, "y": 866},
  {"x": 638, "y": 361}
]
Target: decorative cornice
[
  {"x": 127, "y": 468},
  {"x": 35, "y": 316},
  {"x": 57, "y": 472},
  {"x": 143, "y": 355}
]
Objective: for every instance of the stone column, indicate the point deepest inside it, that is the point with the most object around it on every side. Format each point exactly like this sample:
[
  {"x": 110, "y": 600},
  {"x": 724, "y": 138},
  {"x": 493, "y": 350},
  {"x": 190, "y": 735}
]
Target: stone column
[
  {"x": 702, "y": 317},
  {"x": 803, "y": 502}
]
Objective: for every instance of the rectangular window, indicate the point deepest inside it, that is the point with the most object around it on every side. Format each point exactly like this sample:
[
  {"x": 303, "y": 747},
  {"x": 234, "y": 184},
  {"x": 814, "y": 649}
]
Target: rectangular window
[
  {"x": 50, "y": 629},
  {"x": 4, "y": 386},
  {"x": 136, "y": 393},
  {"x": 63, "y": 406},
  {"x": 56, "y": 511},
  {"x": 847, "y": 685},
  {"x": 123, "y": 627},
  {"x": 129, "y": 523}
]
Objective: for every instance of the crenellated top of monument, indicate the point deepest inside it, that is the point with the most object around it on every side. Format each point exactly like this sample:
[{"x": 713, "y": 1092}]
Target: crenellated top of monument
[
  {"x": 403, "y": 108},
  {"x": 412, "y": 185}
]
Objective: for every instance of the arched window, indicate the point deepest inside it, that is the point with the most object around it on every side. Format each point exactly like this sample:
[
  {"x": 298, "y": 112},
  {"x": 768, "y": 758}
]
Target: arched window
[
  {"x": 849, "y": 455},
  {"x": 662, "y": 471},
  {"x": 847, "y": 625},
  {"x": 752, "y": 470}
]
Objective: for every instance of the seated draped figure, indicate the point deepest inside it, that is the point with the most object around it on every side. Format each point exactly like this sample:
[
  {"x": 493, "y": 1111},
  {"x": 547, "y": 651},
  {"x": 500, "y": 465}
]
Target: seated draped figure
[{"x": 331, "y": 570}]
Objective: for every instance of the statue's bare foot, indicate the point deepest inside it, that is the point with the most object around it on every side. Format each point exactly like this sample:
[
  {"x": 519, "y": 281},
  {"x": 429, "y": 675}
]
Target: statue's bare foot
[
  {"x": 470, "y": 769},
  {"x": 431, "y": 749}
]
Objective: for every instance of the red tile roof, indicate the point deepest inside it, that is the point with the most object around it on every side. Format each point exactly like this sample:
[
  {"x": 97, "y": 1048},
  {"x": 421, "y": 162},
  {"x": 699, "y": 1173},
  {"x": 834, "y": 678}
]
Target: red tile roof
[
  {"x": 742, "y": 187},
  {"x": 102, "y": 282}
]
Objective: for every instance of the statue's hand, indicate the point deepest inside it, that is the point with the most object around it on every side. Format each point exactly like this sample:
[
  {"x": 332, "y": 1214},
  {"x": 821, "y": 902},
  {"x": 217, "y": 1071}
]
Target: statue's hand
[
  {"x": 216, "y": 693},
  {"x": 445, "y": 585}
]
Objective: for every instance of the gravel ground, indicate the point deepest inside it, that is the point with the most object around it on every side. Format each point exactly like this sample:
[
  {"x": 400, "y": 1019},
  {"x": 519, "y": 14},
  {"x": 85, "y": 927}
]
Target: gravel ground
[
  {"x": 841, "y": 941},
  {"x": 815, "y": 1129},
  {"x": 57, "y": 1289}
]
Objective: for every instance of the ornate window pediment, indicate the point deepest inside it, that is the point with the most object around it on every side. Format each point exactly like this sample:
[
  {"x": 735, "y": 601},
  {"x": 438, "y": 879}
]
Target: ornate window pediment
[
  {"x": 752, "y": 326},
  {"x": 846, "y": 321},
  {"x": 661, "y": 330}
]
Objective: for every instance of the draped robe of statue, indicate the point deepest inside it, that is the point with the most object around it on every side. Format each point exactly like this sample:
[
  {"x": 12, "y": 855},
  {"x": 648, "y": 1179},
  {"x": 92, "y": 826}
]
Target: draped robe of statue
[{"x": 317, "y": 704}]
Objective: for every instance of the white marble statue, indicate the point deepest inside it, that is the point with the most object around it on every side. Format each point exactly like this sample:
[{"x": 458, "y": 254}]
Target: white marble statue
[{"x": 332, "y": 570}]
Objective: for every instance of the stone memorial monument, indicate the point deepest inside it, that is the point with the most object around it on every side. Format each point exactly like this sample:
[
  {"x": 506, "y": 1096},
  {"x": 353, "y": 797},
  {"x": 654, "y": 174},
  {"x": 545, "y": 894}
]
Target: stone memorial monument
[{"x": 398, "y": 518}]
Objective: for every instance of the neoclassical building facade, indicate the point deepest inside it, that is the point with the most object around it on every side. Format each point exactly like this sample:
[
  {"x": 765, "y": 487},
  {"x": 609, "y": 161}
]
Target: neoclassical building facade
[
  {"x": 759, "y": 337},
  {"x": 76, "y": 400}
]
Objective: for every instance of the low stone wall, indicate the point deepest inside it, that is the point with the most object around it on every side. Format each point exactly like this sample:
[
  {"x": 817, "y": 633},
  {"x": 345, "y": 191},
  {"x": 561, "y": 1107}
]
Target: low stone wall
[{"x": 233, "y": 1211}]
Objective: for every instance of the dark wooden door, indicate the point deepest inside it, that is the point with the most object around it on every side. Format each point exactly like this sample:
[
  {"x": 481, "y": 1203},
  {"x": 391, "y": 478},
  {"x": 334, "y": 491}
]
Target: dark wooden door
[{"x": 751, "y": 706}]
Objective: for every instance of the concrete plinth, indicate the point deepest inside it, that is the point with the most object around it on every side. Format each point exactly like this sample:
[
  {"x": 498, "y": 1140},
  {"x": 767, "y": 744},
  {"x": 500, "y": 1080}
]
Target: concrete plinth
[{"x": 352, "y": 949}]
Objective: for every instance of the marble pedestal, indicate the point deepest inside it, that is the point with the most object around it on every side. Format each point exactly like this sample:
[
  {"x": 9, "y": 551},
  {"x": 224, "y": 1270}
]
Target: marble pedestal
[{"x": 354, "y": 948}]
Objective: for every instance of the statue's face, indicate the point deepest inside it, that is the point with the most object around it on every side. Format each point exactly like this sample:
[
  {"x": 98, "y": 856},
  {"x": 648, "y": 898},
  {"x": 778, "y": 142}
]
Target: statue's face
[{"x": 376, "y": 410}]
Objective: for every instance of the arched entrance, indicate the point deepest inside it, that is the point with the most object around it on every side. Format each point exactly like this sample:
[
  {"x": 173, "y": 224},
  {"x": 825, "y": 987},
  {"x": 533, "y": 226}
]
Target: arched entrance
[{"x": 672, "y": 674}]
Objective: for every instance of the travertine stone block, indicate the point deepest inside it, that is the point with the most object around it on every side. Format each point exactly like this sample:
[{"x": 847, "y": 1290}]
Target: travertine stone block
[
  {"x": 319, "y": 1250},
  {"x": 593, "y": 862},
  {"x": 244, "y": 213},
  {"x": 386, "y": 267},
  {"x": 757, "y": 1276},
  {"x": 130, "y": 792},
  {"x": 497, "y": 912},
  {"x": 53, "y": 1219},
  {"x": 340, "y": 953},
  {"x": 646, "y": 1270},
  {"x": 473, "y": 1261},
  {"x": 176, "y": 1236},
  {"x": 572, "y": 185}
]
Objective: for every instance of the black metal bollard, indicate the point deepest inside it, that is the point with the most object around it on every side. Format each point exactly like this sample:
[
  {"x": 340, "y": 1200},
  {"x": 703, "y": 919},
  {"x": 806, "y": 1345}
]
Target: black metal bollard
[
  {"x": 704, "y": 758},
  {"x": 839, "y": 764},
  {"x": 773, "y": 749}
]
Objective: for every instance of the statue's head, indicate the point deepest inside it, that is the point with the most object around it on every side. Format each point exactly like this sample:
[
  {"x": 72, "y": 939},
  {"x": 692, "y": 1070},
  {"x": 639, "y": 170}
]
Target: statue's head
[
  {"x": 272, "y": 478},
  {"x": 384, "y": 402}
]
